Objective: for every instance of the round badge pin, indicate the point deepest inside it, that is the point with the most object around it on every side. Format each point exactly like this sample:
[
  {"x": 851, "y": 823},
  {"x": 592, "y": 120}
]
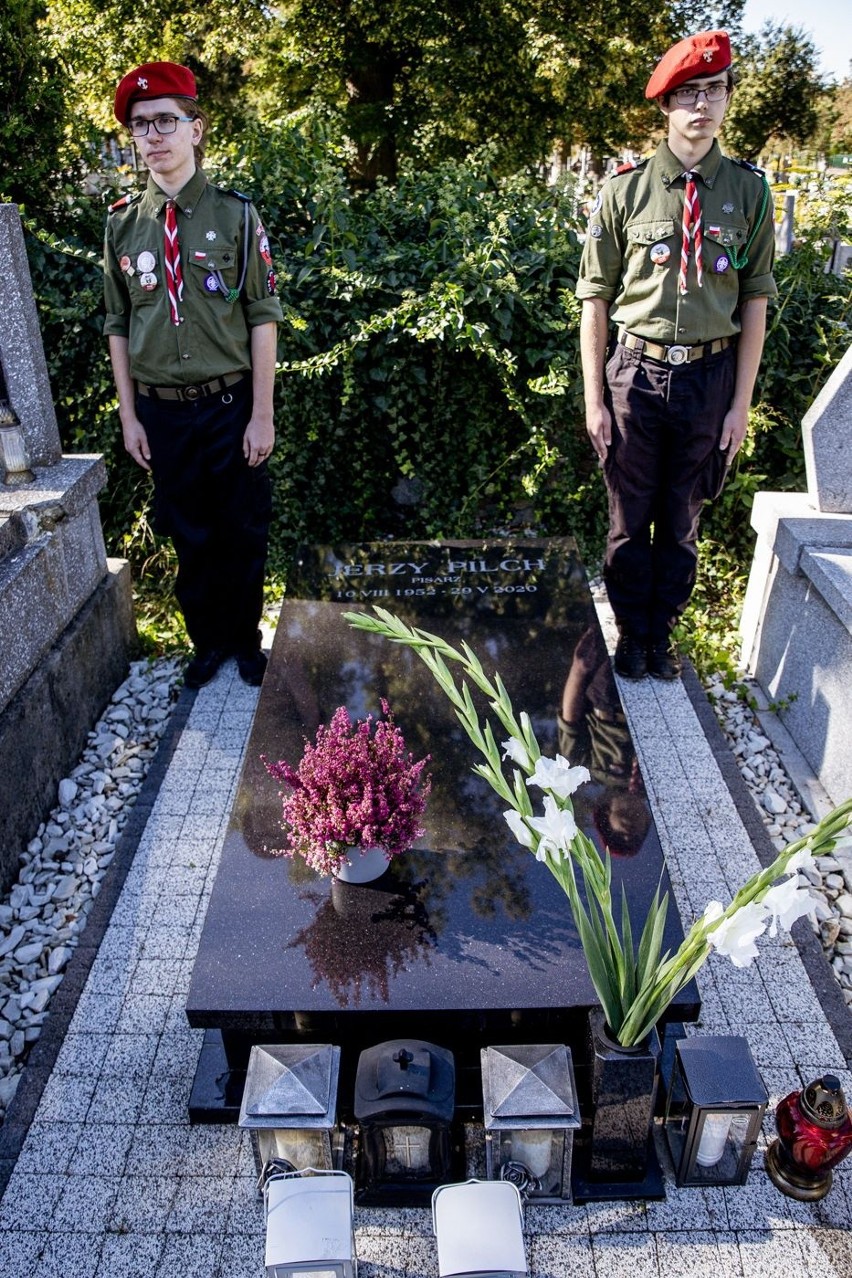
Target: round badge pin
[
  {"x": 596, "y": 231},
  {"x": 660, "y": 254},
  {"x": 145, "y": 262},
  {"x": 148, "y": 280},
  {"x": 124, "y": 263},
  {"x": 211, "y": 284},
  {"x": 721, "y": 264}
]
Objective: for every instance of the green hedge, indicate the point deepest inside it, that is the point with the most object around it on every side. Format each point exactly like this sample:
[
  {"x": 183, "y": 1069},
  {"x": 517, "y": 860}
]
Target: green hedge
[{"x": 430, "y": 381}]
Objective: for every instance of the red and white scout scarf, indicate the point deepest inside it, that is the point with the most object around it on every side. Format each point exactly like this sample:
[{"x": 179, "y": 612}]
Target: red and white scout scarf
[
  {"x": 174, "y": 273},
  {"x": 691, "y": 232}
]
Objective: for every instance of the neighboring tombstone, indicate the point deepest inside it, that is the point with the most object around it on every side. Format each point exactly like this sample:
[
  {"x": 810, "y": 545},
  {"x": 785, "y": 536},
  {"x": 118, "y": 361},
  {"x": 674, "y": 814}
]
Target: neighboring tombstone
[
  {"x": 66, "y": 615},
  {"x": 797, "y": 616},
  {"x": 22, "y": 351},
  {"x": 826, "y": 432},
  {"x": 784, "y": 228}
]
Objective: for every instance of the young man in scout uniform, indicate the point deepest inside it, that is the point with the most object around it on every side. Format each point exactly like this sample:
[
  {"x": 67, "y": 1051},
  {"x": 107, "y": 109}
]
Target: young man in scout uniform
[
  {"x": 679, "y": 257},
  {"x": 192, "y": 321}
]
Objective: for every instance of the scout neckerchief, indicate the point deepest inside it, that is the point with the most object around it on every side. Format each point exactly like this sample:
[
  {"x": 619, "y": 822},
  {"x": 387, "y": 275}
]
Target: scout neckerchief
[
  {"x": 692, "y": 233},
  {"x": 174, "y": 273}
]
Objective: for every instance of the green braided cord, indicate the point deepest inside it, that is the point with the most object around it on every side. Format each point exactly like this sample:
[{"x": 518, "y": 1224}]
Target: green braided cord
[
  {"x": 738, "y": 261},
  {"x": 232, "y": 295}
]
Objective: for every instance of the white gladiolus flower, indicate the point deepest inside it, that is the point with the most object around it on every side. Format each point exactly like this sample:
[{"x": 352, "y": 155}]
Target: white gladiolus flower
[
  {"x": 556, "y": 829},
  {"x": 519, "y": 828},
  {"x": 558, "y": 775},
  {"x": 735, "y": 937},
  {"x": 787, "y": 902},
  {"x": 516, "y": 751},
  {"x": 799, "y": 861}
]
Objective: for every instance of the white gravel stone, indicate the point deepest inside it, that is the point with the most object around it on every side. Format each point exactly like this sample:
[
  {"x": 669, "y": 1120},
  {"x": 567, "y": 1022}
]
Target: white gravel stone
[
  {"x": 67, "y": 792},
  {"x": 63, "y": 865}
]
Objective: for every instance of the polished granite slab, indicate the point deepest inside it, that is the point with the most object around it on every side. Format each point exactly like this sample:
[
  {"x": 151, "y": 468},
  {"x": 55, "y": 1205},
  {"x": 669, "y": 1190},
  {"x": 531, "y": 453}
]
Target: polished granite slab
[{"x": 466, "y": 939}]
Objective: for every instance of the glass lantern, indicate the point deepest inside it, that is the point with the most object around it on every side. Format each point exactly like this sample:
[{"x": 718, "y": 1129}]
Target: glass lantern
[
  {"x": 289, "y": 1105},
  {"x": 715, "y": 1106},
  {"x": 530, "y": 1112}
]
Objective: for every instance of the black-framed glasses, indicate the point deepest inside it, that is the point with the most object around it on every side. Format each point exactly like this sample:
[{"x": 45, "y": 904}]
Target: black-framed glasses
[
  {"x": 713, "y": 93},
  {"x": 139, "y": 126}
]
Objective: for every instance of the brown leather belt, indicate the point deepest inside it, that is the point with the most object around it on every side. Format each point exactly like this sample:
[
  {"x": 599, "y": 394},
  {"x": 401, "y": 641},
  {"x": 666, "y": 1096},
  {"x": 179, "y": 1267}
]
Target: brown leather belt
[
  {"x": 673, "y": 354},
  {"x": 186, "y": 394}
]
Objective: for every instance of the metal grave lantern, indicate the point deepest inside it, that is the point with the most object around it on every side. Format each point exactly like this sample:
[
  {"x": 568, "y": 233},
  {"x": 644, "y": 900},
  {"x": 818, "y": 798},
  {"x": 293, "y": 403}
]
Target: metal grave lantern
[
  {"x": 289, "y": 1104},
  {"x": 404, "y": 1104},
  {"x": 530, "y": 1109},
  {"x": 715, "y": 1106}
]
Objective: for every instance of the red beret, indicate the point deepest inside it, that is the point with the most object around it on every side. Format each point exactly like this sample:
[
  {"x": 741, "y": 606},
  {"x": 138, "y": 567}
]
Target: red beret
[
  {"x": 153, "y": 80},
  {"x": 704, "y": 54}
]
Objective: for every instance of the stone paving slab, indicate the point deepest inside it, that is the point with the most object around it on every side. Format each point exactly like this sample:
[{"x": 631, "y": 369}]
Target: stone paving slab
[{"x": 112, "y": 1181}]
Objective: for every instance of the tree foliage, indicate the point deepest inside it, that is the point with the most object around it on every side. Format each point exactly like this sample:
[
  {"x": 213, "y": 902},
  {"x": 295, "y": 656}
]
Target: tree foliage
[
  {"x": 778, "y": 93},
  {"x": 405, "y": 79},
  {"x": 31, "y": 124}
]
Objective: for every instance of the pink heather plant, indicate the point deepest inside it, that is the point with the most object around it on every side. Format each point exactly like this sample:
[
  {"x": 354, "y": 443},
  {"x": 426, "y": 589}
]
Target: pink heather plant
[{"x": 356, "y": 786}]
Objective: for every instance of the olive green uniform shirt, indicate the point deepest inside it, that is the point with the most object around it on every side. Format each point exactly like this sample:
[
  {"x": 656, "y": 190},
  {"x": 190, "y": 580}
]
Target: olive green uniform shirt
[
  {"x": 632, "y": 252},
  {"x": 213, "y": 337}
]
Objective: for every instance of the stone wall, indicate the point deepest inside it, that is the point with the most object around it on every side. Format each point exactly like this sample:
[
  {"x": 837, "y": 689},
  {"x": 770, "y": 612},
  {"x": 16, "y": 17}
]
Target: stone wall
[{"x": 66, "y": 615}]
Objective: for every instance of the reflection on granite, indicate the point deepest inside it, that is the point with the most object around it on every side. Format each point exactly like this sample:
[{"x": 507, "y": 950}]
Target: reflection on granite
[
  {"x": 467, "y": 921},
  {"x": 362, "y": 936}
]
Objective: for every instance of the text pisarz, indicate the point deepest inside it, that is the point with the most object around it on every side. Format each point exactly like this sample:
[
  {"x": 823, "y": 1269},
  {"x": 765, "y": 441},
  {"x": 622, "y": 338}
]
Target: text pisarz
[{"x": 455, "y": 577}]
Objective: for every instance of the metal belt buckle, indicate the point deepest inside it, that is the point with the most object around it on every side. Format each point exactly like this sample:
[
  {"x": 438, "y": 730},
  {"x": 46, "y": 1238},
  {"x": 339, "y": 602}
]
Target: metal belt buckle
[
  {"x": 192, "y": 392},
  {"x": 677, "y": 354}
]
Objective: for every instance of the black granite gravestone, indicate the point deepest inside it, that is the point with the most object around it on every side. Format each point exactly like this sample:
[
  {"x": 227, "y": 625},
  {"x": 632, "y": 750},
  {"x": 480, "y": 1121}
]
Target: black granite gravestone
[{"x": 466, "y": 940}]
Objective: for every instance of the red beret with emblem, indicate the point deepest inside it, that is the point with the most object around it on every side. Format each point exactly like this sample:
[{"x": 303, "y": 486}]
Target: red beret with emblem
[
  {"x": 707, "y": 53},
  {"x": 153, "y": 80}
]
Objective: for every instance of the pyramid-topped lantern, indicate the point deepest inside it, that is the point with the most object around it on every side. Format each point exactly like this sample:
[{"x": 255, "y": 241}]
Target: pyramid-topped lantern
[
  {"x": 531, "y": 1112},
  {"x": 290, "y": 1105}
]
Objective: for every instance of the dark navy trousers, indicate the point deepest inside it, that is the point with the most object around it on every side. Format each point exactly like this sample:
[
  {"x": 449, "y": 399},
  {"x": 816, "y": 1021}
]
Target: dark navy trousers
[
  {"x": 216, "y": 509},
  {"x": 663, "y": 464}
]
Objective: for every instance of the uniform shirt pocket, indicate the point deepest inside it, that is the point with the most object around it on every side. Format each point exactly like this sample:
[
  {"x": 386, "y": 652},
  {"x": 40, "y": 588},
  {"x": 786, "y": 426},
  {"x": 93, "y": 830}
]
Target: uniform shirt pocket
[
  {"x": 145, "y": 274},
  {"x": 729, "y": 234},
  {"x": 210, "y": 268},
  {"x": 652, "y": 249},
  {"x": 642, "y": 233}
]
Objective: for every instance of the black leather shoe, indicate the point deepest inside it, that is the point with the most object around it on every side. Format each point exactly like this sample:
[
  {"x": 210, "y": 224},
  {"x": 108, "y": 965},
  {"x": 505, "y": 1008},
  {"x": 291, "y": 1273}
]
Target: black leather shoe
[
  {"x": 251, "y": 664},
  {"x": 664, "y": 660},
  {"x": 202, "y": 667},
  {"x": 631, "y": 659}
]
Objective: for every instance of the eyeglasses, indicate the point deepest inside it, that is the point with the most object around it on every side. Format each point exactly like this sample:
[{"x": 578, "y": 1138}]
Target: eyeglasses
[
  {"x": 139, "y": 126},
  {"x": 712, "y": 92}
]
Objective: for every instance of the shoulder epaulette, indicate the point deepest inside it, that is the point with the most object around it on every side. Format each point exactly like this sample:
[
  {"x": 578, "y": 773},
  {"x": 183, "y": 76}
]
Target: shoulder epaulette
[
  {"x": 125, "y": 201},
  {"x": 752, "y": 168},
  {"x": 629, "y": 166}
]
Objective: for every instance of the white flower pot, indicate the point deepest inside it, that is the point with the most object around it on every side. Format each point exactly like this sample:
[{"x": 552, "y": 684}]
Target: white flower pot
[{"x": 361, "y": 865}]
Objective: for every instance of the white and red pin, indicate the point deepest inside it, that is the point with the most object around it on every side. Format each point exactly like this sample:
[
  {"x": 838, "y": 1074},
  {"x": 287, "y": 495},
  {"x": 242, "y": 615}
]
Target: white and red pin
[
  {"x": 148, "y": 280},
  {"x": 660, "y": 254},
  {"x": 142, "y": 82}
]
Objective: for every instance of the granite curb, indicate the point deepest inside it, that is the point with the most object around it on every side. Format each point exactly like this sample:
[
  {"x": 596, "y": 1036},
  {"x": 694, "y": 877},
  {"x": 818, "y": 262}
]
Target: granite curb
[{"x": 45, "y": 1050}]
